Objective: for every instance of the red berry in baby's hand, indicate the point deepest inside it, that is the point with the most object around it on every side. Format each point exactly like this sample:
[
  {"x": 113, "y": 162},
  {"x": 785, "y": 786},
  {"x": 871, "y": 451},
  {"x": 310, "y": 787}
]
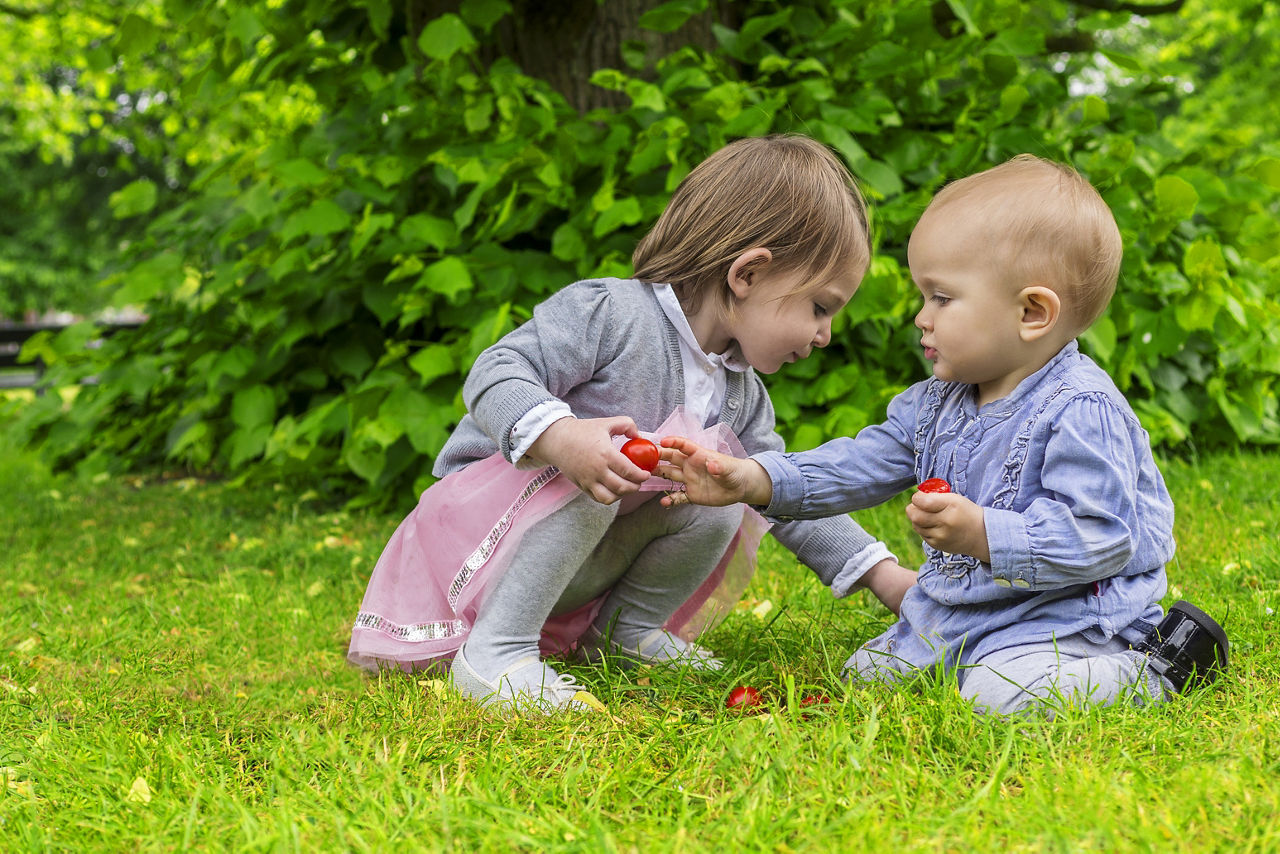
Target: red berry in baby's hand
[
  {"x": 642, "y": 452},
  {"x": 935, "y": 484},
  {"x": 743, "y": 698}
]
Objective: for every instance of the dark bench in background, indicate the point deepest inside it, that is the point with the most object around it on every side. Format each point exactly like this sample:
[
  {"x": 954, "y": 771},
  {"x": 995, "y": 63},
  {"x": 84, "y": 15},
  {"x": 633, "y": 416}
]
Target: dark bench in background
[{"x": 15, "y": 374}]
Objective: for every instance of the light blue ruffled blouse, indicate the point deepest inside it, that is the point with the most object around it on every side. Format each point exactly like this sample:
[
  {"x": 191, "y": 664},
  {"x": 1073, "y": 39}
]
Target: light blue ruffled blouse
[{"x": 1079, "y": 521}]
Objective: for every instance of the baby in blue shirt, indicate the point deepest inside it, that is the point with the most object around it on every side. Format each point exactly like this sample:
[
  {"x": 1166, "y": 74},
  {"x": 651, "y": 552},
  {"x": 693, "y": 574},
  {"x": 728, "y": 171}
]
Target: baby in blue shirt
[{"x": 1045, "y": 559}]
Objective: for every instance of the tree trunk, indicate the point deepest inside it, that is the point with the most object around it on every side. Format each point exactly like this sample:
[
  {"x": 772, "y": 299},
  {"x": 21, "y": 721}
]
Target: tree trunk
[{"x": 564, "y": 41}]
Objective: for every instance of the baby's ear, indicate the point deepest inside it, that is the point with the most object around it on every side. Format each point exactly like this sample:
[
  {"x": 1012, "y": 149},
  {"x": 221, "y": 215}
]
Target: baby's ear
[{"x": 1041, "y": 311}]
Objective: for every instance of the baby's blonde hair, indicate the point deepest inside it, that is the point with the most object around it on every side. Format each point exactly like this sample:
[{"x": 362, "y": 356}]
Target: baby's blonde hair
[
  {"x": 1051, "y": 228},
  {"x": 784, "y": 192}
]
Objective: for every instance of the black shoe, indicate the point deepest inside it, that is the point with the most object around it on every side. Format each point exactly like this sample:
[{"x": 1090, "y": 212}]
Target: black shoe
[{"x": 1188, "y": 648}]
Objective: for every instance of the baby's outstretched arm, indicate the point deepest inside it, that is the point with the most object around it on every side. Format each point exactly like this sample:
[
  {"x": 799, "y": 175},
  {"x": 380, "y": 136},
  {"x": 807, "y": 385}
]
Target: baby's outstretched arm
[
  {"x": 713, "y": 478},
  {"x": 950, "y": 523}
]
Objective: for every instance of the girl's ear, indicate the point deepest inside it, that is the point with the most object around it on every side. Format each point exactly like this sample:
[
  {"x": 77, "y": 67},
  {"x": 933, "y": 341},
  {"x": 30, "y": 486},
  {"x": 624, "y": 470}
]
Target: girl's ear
[
  {"x": 745, "y": 268},
  {"x": 1041, "y": 311}
]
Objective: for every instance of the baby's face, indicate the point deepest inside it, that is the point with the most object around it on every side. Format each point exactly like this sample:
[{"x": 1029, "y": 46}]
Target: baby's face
[{"x": 971, "y": 318}]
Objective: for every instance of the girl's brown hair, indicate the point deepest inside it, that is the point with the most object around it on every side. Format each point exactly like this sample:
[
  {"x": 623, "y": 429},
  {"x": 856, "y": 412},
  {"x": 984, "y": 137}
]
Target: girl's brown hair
[{"x": 785, "y": 192}]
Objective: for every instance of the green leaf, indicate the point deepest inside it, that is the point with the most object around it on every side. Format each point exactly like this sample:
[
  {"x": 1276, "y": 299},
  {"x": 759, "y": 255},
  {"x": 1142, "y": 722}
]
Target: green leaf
[
  {"x": 366, "y": 228},
  {"x": 1095, "y": 110},
  {"x": 301, "y": 172},
  {"x": 1011, "y": 100},
  {"x": 445, "y": 36},
  {"x": 567, "y": 243},
  {"x": 1267, "y": 170},
  {"x": 621, "y": 212},
  {"x": 234, "y": 362},
  {"x": 321, "y": 218},
  {"x": 187, "y": 431},
  {"x": 759, "y": 26},
  {"x": 671, "y": 16},
  {"x": 484, "y": 13},
  {"x": 245, "y": 27},
  {"x": 425, "y": 230},
  {"x": 289, "y": 261},
  {"x": 432, "y": 362},
  {"x": 1101, "y": 338},
  {"x": 258, "y": 201},
  {"x": 253, "y": 406},
  {"x": 158, "y": 274},
  {"x": 1123, "y": 60},
  {"x": 1196, "y": 312},
  {"x": 1204, "y": 263},
  {"x": 448, "y": 276},
  {"x": 383, "y": 299},
  {"x": 136, "y": 35},
  {"x": 1175, "y": 198},
  {"x": 418, "y": 416},
  {"x": 136, "y": 197},
  {"x": 961, "y": 11},
  {"x": 880, "y": 178},
  {"x": 379, "y": 12},
  {"x": 365, "y": 457},
  {"x": 351, "y": 358}
]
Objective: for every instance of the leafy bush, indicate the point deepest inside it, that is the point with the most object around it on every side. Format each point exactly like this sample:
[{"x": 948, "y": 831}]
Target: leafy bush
[{"x": 318, "y": 294}]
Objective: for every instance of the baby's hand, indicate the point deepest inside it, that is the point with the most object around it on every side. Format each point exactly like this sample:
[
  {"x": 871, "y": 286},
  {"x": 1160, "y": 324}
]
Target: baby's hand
[
  {"x": 583, "y": 450},
  {"x": 710, "y": 477},
  {"x": 950, "y": 523}
]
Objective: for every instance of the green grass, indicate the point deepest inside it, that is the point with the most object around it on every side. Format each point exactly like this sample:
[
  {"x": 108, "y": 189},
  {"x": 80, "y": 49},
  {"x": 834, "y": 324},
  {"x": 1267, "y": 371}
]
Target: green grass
[{"x": 172, "y": 677}]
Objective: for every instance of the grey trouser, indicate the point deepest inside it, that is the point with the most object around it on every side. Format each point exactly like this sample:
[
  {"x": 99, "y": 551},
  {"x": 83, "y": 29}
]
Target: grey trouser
[
  {"x": 1072, "y": 671},
  {"x": 648, "y": 561}
]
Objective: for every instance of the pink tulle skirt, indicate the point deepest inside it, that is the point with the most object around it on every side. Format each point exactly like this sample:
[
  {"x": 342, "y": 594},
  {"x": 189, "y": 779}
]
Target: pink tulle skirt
[{"x": 432, "y": 578}]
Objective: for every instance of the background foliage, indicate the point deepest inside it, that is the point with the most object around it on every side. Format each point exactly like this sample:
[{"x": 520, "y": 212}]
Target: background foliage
[{"x": 335, "y": 207}]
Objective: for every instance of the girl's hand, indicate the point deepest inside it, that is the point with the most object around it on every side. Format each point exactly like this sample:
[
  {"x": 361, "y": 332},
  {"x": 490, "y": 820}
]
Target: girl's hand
[
  {"x": 889, "y": 582},
  {"x": 710, "y": 477},
  {"x": 583, "y": 450},
  {"x": 950, "y": 523}
]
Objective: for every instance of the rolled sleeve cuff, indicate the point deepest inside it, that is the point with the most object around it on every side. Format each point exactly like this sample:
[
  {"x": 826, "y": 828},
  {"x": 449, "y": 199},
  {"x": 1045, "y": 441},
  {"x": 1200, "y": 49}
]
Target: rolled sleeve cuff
[
  {"x": 856, "y": 567},
  {"x": 531, "y": 426},
  {"x": 1010, "y": 546}
]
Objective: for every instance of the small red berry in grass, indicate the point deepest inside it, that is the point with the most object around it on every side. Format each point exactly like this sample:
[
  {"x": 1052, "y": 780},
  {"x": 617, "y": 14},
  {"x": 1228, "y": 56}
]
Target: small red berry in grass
[
  {"x": 642, "y": 452},
  {"x": 743, "y": 698},
  {"x": 814, "y": 699},
  {"x": 935, "y": 484}
]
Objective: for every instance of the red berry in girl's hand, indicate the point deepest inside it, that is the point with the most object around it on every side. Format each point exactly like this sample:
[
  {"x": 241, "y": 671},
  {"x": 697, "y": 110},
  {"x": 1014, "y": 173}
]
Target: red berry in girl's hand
[
  {"x": 743, "y": 698},
  {"x": 935, "y": 484},
  {"x": 642, "y": 452}
]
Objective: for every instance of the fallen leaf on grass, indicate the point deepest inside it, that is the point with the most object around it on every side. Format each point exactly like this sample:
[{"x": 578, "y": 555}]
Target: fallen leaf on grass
[
  {"x": 13, "y": 784},
  {"x": 593, "y": 702},
  {"x": 15, "y": 688},
  {"x": 435, "y": 686},
  {"x": 139, "y": 792}
]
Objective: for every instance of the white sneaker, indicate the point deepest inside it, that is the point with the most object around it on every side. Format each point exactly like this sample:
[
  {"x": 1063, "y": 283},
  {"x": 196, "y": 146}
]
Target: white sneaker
[
  {"x": 529, "y": 684},
  {"x": 657, "y": 647}
]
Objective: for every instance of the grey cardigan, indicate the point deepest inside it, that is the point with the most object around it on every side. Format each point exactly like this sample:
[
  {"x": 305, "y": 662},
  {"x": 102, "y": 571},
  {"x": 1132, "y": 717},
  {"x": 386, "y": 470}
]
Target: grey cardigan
[{"x": 605, "y": 348}]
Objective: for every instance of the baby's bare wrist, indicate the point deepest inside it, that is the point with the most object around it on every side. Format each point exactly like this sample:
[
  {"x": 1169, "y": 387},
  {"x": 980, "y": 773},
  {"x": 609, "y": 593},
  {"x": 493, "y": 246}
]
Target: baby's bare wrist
[{"x": 759, "y": 490}]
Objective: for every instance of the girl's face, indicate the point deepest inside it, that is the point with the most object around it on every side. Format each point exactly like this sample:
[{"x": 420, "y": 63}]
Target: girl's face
[
  {"x": 773, "y": 328},
  {"x": 971, "y": 319}
]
